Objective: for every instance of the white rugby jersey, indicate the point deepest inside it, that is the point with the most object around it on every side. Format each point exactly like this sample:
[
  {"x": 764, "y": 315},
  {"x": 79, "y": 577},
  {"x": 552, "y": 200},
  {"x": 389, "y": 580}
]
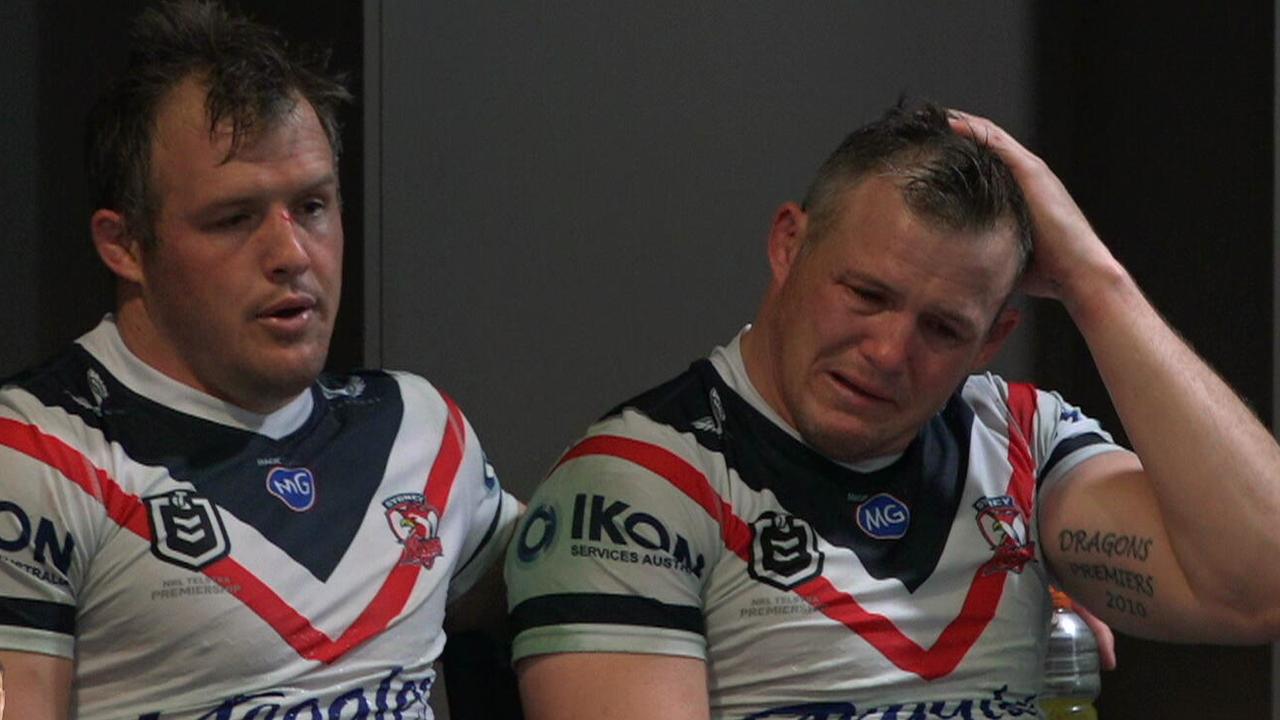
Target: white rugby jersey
[
  {"x": 691, "y": 521},
  {"x": 201, "y": 561}
]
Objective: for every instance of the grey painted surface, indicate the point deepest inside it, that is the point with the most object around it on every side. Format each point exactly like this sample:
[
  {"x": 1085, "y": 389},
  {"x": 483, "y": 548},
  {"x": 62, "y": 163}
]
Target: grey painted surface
[{"x": 575, "y": 196}]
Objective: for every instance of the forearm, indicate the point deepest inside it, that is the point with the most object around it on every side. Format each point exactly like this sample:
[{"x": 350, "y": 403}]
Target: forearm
[
  {"x": 1213, "y": 467},
  {"x": 613, "y": 686},
  {"x": 36, "y": 687}
]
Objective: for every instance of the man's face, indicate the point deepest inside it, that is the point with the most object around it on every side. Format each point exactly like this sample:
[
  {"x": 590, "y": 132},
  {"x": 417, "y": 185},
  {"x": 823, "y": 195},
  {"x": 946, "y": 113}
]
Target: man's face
[
  {"x": 242, "y": 284},
  {"x": 878, "y": 322}
]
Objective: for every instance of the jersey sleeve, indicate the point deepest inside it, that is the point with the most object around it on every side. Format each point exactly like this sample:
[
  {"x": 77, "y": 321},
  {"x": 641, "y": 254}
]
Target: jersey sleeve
[
  {"x": 612, "y": 555},
  {"x": 493, "y": 513},
  {"x": 1065, "y": 437},
  {"x": 479, "y": 514},
  {"x": 1061, "y": 435},
  {"x": 46, "y": 527}
]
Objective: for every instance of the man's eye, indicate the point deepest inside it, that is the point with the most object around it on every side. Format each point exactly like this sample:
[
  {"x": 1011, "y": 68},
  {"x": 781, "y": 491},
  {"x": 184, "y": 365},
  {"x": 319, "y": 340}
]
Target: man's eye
[
  {"x": 313, "y": 207},
  {"x": 943, "y": 331},
  {"x": 230, "y": 222},
  {"x": 865, "y": 295}
]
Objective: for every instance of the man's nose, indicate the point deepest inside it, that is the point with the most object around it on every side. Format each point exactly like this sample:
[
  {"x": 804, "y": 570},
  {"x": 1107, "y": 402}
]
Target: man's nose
[
  {"x": 284, "y": 245},
  {"x": 887, "y": 344}
]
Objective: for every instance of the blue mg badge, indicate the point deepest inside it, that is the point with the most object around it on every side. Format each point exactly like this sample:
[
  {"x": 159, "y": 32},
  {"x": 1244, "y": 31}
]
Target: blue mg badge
[
  {"x": 295, "y": 487},
  {"x": 883, "y": 517}
]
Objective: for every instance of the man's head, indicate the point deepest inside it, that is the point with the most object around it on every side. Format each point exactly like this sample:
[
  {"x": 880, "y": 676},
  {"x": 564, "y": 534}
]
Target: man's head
[
  {"x": 214, "y": 162},
  {"x": 249, "y": 72},
  {"x": 889, "y": 286},
  {"x": 947, "y": 179}
]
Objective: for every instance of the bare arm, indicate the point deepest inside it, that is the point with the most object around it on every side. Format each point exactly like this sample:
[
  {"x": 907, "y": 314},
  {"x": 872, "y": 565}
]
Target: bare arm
[
  {"x": 613, "y": 686},
  {"x": 36, "y": 687},
  {"x": 1202, "y": 496}
]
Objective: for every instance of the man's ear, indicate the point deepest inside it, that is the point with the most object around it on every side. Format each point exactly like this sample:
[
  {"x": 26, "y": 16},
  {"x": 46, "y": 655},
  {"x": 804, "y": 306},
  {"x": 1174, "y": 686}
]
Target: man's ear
[
  {"x": 1006, "y": 321},
  {"x": 118, "y": 248},
  {"x": 786, "y": 238}
]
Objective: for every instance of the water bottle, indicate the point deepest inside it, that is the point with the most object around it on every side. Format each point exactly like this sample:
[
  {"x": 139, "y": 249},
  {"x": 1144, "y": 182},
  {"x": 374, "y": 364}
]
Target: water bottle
[{"x": 1071, "y": 680}]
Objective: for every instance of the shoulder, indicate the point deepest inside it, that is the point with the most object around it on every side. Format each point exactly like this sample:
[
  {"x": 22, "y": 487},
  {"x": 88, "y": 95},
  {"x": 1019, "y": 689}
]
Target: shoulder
[
  {"x": 655, "y": 455},
  {"x": 667, "y": 419},
  {"x": 676, "y": 402},
  {"x": 987, "y": 393},
  {"x": 365, "y": 392},
  {"x": 990, "y": 389},
  {"x": 64, "y": 398},
  {"x": 71, "y": 379}
]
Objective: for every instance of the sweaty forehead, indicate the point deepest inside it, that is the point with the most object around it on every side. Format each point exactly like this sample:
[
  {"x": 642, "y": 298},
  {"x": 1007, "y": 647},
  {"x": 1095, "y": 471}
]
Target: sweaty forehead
[
  {"x": 891, "y": 194},
  {"x": 876, "y": 233},
  {"x": 184, "y": 115}
]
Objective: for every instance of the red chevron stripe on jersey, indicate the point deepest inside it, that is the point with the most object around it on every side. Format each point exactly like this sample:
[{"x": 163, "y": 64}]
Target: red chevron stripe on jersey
[
  {"x": 129, "y": 511},
  {"x": 985, "y": 590},
  {"x": 1022, "y": 427}
]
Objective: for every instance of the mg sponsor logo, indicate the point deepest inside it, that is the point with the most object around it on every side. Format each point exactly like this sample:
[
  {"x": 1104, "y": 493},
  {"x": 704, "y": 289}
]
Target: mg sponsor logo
[
  {"x": 883, "y": 517},
  {"x": 596, "y": 519},
  {"x": 186, "y": 529},
  {"x": 784, "y": 551},
  {"x": 295, "y": 487}
]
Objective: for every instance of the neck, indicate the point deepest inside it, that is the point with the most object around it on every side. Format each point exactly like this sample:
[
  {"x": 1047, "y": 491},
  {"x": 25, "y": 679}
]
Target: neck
[
  {"x": 761, "y": 366},
  {"x": 147, "y": 342}
]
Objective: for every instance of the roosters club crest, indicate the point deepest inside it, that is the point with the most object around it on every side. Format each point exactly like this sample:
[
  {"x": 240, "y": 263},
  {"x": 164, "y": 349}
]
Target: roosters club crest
[
  {"x": 415, "y": 524},
  {"x": 1005, "y": 529}
]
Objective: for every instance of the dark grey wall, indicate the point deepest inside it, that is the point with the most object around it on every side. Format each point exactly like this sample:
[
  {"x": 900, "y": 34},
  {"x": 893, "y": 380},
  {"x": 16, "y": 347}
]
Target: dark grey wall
[
  {"x": 1162, "y": 123},
  {"x": 18, "y": 279},
  {"x": 54, "y": 57},
  {"x": 575, "y": 196}
]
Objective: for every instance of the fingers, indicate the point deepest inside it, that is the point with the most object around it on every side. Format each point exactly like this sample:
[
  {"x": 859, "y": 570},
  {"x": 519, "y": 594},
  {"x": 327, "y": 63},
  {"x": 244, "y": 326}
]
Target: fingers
[
  {"x": 1102, "y": 632},
  {"x": 988, "y": 133}
]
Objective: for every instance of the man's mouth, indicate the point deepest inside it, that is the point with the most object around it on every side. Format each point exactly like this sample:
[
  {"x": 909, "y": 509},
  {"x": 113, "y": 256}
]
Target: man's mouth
[
  {"x": 290, "y": 314},
  {"x": 861, "y": 390},
  {"x": 291, "y": 306}
]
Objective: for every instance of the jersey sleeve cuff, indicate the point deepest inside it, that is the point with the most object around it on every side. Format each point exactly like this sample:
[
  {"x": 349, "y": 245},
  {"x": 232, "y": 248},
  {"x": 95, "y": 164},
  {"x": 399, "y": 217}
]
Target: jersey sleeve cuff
[
  {"x": 583, "y": 637},
  {"x": 37, "y": 641},
  {"x": 1063, "y": 466}
]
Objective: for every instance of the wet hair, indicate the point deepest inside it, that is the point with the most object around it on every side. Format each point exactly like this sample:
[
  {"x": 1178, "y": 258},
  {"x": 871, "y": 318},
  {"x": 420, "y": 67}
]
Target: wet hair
[
  {"x": 252, "y": 78},
  {"x": 948, "y": 179}
]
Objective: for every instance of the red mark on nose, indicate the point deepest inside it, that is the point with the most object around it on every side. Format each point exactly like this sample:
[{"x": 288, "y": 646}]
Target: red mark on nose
[{"x": 286, "y": 216}]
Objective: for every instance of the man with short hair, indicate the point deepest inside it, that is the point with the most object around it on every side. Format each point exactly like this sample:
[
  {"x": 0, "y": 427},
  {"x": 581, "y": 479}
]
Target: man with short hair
[
  {"x": 833, "y": 517},
  {"x": 196, "y": 522}
]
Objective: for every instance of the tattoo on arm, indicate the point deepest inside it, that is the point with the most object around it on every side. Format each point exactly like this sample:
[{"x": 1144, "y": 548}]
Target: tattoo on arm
[
  {"x": 1115, "y": 546},
  {"x": 1126, "y": 604},
  {"x": 1121, "y": 578},
  {"x": 1112, "y": 545}
]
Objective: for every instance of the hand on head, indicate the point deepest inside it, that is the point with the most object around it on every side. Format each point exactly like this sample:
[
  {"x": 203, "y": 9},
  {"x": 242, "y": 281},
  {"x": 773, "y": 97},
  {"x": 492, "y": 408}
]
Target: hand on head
[{"x": 1068, "y": 255}]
